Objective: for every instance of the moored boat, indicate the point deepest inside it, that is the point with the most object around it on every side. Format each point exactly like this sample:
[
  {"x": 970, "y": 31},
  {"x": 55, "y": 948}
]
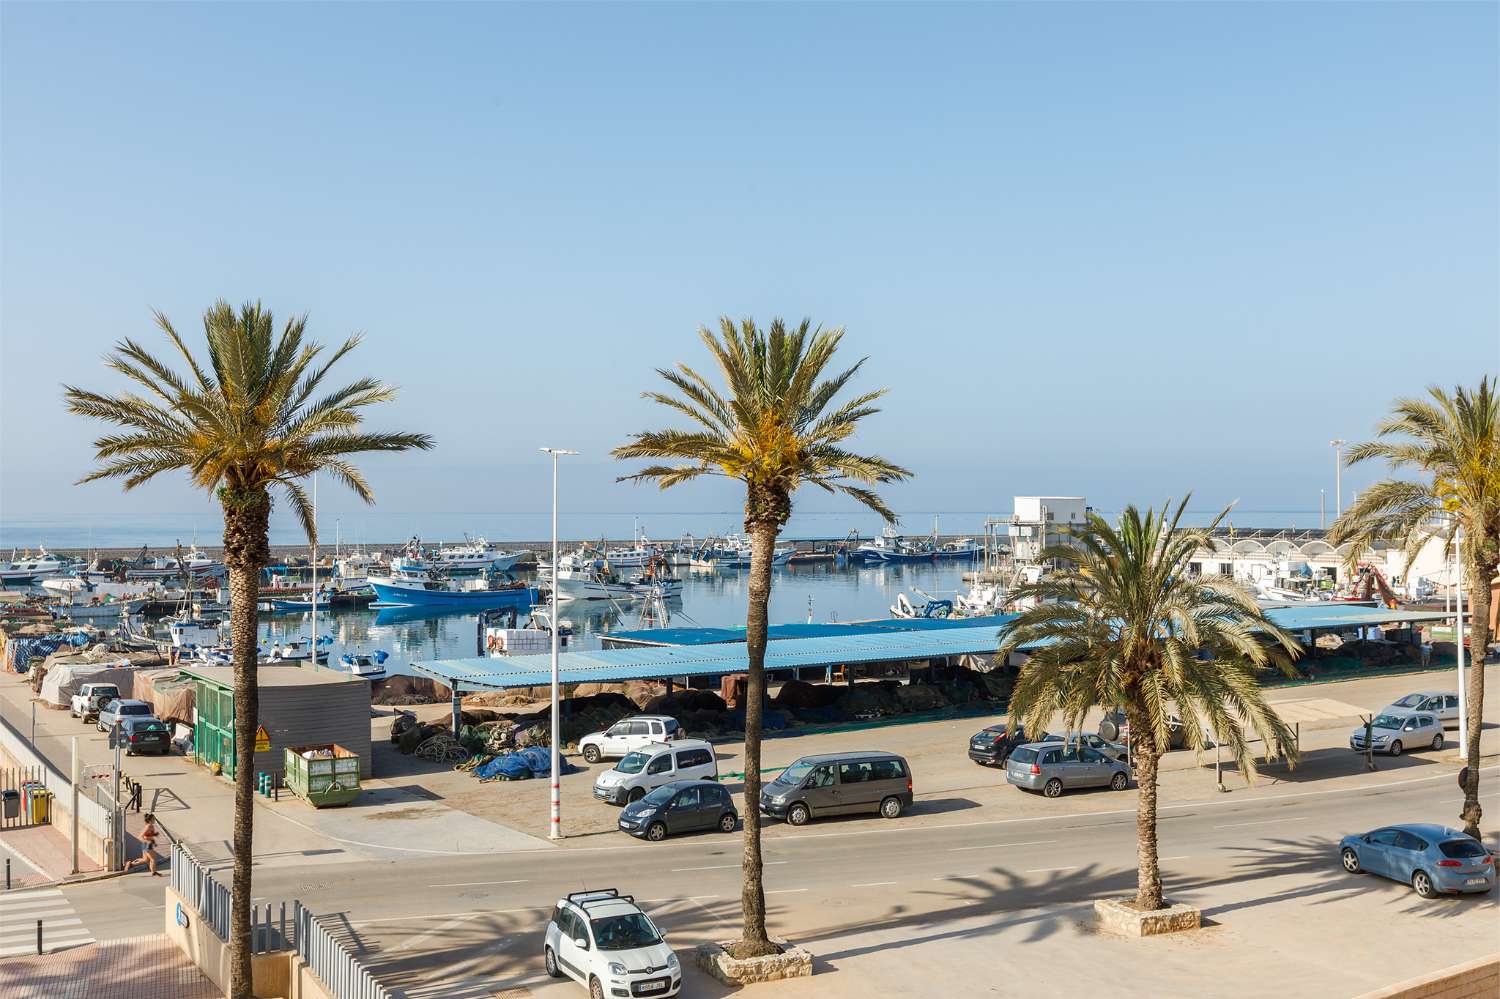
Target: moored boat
[
  {"x": 367, "y": 665},
  {"x": 395, "y": 592}
]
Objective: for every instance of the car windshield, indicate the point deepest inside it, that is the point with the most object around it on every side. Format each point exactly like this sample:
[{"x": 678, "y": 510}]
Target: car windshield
[
  {"x": 1390, "y": 721},
  {"x": 632, "y": 764},
  {"x": 1462, "y": 848},
  {"x": 794, "y": 773},
  {"x": 994, "y": 730},
  {"x": 1024, "y": 755},
  {"x": 661, "y": 795},
  {"x": 624, "y": 932},
  {"x": 1411, "y": 700},
  {"x": 135, "y": 709}
]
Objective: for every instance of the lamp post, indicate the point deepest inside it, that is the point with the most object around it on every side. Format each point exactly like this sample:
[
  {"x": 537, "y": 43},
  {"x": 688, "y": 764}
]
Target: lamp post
[
  {"x": 1458, "y": 638},
  {"x": 1322, "y": 510},
  {"x": 1338, "y": 475},
  {"x": 554, "y": 829}
]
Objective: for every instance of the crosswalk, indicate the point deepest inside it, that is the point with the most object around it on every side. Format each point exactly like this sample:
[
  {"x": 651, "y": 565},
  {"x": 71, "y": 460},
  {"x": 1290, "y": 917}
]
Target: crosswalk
[{"x": 19, "y": 912}]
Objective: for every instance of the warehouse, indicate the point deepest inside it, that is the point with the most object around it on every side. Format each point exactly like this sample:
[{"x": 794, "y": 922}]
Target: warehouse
[{"x": 299, "y": 706}]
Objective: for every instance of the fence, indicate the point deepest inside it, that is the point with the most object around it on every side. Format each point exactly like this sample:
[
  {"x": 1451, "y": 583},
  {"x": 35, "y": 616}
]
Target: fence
[
  {"x": 328, "y": 958},
  {"x": 24, "y": 798},
  {"x": 212, "y": 899},
  {"x": 94, "y": 822}
]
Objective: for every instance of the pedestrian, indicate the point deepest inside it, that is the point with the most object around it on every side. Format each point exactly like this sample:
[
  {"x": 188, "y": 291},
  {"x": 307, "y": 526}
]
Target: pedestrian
[
  {"x": 149, "y": 836},
  {"x": 1427, "y": 653}
]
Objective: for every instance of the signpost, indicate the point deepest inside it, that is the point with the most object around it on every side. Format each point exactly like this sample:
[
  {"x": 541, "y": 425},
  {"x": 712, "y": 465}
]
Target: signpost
[{"x": 262, "y": 740}]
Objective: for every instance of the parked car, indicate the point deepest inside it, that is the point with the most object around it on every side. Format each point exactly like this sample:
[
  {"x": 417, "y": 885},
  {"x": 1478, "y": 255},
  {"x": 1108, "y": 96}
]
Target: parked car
[
  {"x": 1115, "y": 727},
  {"x": 1396, "y": 731},
  {"x": 627, "y": 735},
  {"x": 679, "y": 807},
  {"x": 1051, "y": 768},
  {"x": 1097, "y": 743},
  {"x": 1434, "y": 860},
  {"x": 145, "y": 735},
  {"x": 90, "y": 698},
  {"x": 119, "y": 709},
  {"x": 992, "y": 746},
  {"x": 654, "y": 765},
  {"x": 839, "y": 784},
  {"x": 603, "y": 941},
  {"x": 1440, "y": 703}
]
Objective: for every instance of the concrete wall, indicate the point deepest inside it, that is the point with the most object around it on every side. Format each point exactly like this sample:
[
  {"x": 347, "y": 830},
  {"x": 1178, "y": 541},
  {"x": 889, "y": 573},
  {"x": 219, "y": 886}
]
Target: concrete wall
[
  {"x": 1477, "y": 979},
  {"x": 93, "y": 818},
  {"x": 271, "y": 974}
]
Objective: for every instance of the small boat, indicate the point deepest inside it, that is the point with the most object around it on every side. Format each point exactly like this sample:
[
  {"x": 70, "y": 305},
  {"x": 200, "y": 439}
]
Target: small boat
[
  {"x": 194, "y": 633},
  {"x": 392, "y": 591},
  {"x": 102, "y": 608},
  {"x": 29, "y": 567},
  {"x": 302, "y": 604},
  {"x": 930, "y": 608},
  {"x": 369, "y": 665},
  {"x": 733, "y": 552},
  {"x": 192, "y": 562},
  {"x": 301, "y": 649},
  {"x": 962, "y": 548},
  {"x": 892, "y": 547}
]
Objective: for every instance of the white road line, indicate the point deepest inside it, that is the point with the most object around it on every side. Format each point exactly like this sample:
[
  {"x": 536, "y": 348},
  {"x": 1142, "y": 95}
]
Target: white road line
[
  {"x": 1264, "y": 822},
  {"x": 1162, "y": 859},
  {"x": 1048, "y": 870},
  {"x": 724, "y": 867},
  {"x": 954, "y": 877},
  {"x": 786, "y": 891},
  {"x": 475, "y": 884},
  {"x": 873, "y": 884},
  {"x": 998, "y": 846},
  {"x": 21, "y": 925}
]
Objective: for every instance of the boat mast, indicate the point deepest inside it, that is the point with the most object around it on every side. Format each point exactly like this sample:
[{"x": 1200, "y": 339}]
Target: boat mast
[{"x": 314, "y": 540}]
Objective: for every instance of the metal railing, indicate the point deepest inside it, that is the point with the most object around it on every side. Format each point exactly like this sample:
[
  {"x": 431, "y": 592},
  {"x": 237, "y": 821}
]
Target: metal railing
[
  {"x": 19, "y": 787},
  {"x": 204, "y": 892},
  {"x": 339, "y": 971}
]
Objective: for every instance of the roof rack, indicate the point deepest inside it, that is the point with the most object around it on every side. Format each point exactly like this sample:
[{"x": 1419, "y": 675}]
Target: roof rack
[{"x": 599, "y": 895}]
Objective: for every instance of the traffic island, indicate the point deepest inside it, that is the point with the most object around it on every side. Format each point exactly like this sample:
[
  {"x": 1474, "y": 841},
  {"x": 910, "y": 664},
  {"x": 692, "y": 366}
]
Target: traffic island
[
  {"x": 788, "y": 962},
  {"x": 1119, "y": 915}
]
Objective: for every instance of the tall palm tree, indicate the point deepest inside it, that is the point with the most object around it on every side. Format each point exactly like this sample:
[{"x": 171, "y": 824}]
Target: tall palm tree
[
  {"x": 1123, "y": 622},
  {"x": 1452, "y": 442},
  {"x": 776, "y": 429},
  {"x": 249, "y": 421}
]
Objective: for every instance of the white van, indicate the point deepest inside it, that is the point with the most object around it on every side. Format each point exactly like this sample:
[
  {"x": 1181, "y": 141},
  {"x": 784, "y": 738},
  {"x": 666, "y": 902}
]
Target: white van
[
  {"x": 652, "y": 766},
  {"x": 629, "y": 734}
]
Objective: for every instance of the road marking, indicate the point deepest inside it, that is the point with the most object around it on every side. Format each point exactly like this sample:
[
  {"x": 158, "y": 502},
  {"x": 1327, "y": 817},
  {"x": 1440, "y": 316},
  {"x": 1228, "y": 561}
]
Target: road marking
[
  {"x": 873, "y": 884},
  {"x": 997, "y": 846},
  {"x": 1163, "y": 859},
  {"x": 475, "y": 884},
  {"x": 1264, "y": 822},
  {"x": 1048, "y": 870},
  {"x": 954, "y": 877},
  {"x": 23, "y": 909},
  {"x": 724, "y": 867},
  {"x": 786, "y": 891}
]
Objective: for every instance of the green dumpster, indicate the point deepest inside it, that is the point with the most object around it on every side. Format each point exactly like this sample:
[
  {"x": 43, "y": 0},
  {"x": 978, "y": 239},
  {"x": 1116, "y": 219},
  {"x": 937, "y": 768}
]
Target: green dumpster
[{"x": 325, "y": 775}]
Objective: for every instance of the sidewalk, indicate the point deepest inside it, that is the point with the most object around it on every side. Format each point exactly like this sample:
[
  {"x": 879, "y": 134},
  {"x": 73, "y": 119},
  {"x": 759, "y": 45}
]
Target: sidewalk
[{"x": 137, "y": 968}]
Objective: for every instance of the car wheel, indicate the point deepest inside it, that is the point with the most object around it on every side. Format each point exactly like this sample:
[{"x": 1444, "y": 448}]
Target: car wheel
[
  {"x": 551, "y": 962},
  {"x": 1351, "y": 860},
  {"x": 1437, "y": 741},
  {"x": 1396, "y": 748},
  {"x": 727, "y": 822},
  {"x": 1119, "y": 781},
  {"x": 891, "y": 807},
  {"x": 591, "y": 754},
  {"x": 636, "y": 794},
  {"x": 1422, "y": 885},
  {"x": 1053, "y": 788},
  {"x": 596, "y": 990},
  {"x": 798, "y": 814},
  {"x": 656, "y": 832}
]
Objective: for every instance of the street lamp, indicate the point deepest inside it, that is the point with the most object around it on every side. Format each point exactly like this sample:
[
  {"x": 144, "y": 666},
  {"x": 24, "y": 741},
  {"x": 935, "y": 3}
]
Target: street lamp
[
  {"x": 554, "y": 830},
  {"x": 1338, "y": 475},
  {"x": 1322, "y": 509}
]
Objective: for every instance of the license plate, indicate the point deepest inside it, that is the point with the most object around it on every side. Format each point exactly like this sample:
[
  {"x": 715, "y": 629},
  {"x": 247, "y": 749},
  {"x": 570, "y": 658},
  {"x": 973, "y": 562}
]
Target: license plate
[
  {"x": 652, "y": 987},
  {"x": 1477, "y": 881}
]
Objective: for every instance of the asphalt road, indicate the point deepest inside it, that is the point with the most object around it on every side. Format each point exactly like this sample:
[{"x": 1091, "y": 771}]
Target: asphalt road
[{"x": 469, "y": 925}]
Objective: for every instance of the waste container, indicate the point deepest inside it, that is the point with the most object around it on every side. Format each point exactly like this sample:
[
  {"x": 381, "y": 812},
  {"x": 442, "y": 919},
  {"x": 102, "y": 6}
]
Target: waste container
[
  {"x": 10, "y": 803},
  {"x": 325, "y": 775}
]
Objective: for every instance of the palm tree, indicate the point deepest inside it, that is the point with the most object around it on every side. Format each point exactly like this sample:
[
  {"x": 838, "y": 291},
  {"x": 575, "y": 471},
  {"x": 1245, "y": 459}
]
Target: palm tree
[
  {"x": 1123, "y": 622},
  {"x": 1453, "y": 444},
  {"x": 776, "y": 429},
  {"x": 250, "y": 421}
]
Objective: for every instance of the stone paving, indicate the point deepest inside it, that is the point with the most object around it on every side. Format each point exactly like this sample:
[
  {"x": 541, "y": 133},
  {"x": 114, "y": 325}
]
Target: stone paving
[{"x": 148, "y": 967}]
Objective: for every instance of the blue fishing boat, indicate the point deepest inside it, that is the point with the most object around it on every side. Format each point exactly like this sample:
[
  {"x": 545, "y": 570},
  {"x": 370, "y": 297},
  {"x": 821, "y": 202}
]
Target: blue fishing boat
[
  {"x": 303, "y": 604},
  {"x": 405, "y": 593}
]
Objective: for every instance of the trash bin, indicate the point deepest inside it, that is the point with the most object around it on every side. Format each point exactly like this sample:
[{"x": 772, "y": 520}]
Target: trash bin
[{"x": 11, "y": 807}]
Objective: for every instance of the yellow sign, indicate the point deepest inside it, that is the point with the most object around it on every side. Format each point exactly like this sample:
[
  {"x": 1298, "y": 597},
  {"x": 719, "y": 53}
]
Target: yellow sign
[{"x": 262, "y": 740}]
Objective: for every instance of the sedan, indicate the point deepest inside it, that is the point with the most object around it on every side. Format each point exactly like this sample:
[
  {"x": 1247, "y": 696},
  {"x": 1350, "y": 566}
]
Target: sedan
[
  {"x": 1434, "y": 860},
  {"x": 992, "y": 746},
  {"x": 1051, "y": 768},
  {"x": 679, "y": 807},
  {"x": 1397, "y": 731},
  {"x": 145, "y": 735},
  {"x": 1441, "y": 703}
]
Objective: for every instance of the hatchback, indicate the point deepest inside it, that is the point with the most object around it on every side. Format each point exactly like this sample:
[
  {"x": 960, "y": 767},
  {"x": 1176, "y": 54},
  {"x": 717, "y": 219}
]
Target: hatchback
[
  {"x": 1434, "y": 860},
  {"x": 680, "y": 807},
  {"x": 992, "y": 746},
  {"x": 1397, "y": 731},
  {"x": 1440, "y": 703},
  {"x": 119, "y": 710},
  {"x": 1051, "y": 768},
  {"x": 604, "y": 942}
]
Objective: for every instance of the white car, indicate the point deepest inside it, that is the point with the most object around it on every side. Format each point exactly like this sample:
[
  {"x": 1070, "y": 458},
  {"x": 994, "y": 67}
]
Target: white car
[
  {"x": 90, "y": 698},
  {"x": 652, "y": 766},
  {"x": 627, "y": 735},
  {"x": 1395, "y": 730},
  {"x": 603, "y": 941},
  {"x": 1444, "y": 704}
]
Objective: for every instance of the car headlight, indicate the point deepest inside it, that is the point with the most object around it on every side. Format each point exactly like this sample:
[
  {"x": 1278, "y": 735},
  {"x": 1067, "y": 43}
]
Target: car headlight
[
  {"x": 616, "y": 968},
  {"x": 672, "y": 961}
]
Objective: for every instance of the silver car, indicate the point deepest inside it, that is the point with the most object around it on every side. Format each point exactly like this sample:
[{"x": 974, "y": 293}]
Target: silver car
[
  {"x": 1098, "y": 743},
  {"x": 1442, "y": 703},
  {"x": 1051, "y": 768},
  {"x": 1396, "y": 731}
]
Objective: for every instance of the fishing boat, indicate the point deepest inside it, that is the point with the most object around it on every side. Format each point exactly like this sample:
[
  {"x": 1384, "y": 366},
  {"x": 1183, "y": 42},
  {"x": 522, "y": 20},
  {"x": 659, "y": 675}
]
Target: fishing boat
[
  {"x": 29, "y": 567},
  {"x": 476, "y": 555},
  {"x": 960, "y": 549},
  {"x": 368, "y": 665},
  {"x": 392, "y": 591},
  {"x": 98, "y": 608},
  {"x": 733, "y": 552},
  {"x": 192, "y": 562},
  {"x": 892, "y": 547},
  {"x": 982, "y": 600},
  {"x": 305, "y": 603},
  {"x": 930, "y": 607},
  {"x": 606, "y": 584},
  {"x": 194, "y": 633},
  {"x": 301, "y": 650}
]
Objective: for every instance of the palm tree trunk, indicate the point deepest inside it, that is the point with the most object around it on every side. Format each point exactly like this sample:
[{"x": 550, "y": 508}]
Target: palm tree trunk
[
  {"x": 245, "y": 552},
  {"x": 754, "y": 941},
  {"x": 1481, "y": 574},
  {"x": 1144, "y": 756}
]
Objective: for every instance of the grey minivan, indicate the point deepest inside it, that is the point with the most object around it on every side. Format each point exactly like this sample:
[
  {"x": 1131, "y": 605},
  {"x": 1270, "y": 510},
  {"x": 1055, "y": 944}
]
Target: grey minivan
[
  {"x": 839, "y": 784},
  {"x": 1051, "y": 768}
]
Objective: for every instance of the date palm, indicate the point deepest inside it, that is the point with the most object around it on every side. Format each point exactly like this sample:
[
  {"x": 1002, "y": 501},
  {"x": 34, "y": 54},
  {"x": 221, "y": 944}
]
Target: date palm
[
  {"x": 776, "y": 428},
  {"x": 1452, "y": 443},
  {"x": 1123, "y": 622},
  {"x": 253, "y": 419}
]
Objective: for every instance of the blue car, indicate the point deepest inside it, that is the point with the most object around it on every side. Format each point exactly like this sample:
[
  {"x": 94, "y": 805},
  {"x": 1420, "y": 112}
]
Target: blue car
[{"x": 1434, "y": 860}]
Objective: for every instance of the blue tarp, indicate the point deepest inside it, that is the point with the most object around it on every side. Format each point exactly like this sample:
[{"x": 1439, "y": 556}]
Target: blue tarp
[
  {"x": 23, "y": 650},
  {"x": 522, "y": 765}
]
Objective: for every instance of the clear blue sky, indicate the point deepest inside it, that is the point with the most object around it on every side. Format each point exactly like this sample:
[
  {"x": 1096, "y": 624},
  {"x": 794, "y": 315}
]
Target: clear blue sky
[{"x": 1118, "y": 250}]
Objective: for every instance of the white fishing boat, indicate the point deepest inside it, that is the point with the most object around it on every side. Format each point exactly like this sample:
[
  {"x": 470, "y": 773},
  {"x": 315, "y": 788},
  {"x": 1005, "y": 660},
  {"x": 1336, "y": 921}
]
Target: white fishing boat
[
  {"x": 982, "y": 600},
  {"x": 193, "y": 562},
  {"x": 300, "y": 650},
  {"x": 98, "y": 608},
  {"x": 366, "y": 665},
  {"x": 962, "y": 548},
  {"x": 733, "y": 552},
  {"x": 476, "y": 555},
  {"x": 599, "y": 580},
  {"x": 28, "y": 567},
  {"x": 195, "y": 633},
  {"x": 929, "y": 608}
]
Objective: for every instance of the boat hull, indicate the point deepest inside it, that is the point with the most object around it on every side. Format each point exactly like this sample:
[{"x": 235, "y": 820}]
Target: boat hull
[{"x": 417, "y": 596}]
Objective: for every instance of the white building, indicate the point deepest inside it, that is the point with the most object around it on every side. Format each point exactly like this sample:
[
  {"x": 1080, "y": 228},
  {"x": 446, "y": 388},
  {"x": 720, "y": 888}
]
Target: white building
[
  {"x": 1287, "y": 563},
  {"x": 1038, "y": 521}
]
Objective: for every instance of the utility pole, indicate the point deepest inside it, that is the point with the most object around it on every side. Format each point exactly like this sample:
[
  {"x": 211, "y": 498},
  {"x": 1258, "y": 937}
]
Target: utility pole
[
  {"x": 1458, "y": 638},
  {"x": 1338, "y": 475},
  {"x": 554, "y": 830},
  {"x": 1323, "y": 509},
  {"x": 75, "y": 775}
]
